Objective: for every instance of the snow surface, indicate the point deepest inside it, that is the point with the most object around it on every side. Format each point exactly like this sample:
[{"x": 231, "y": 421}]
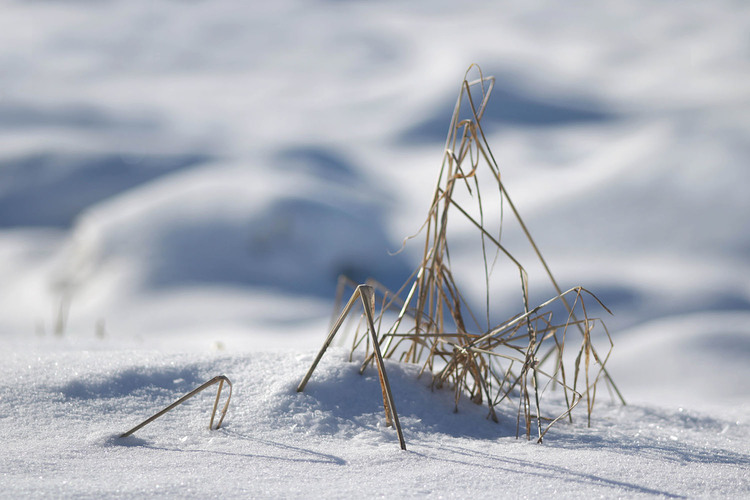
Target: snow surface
[
  {"x": 62, "y": 411},
  {"x": 182, "y": 182}
]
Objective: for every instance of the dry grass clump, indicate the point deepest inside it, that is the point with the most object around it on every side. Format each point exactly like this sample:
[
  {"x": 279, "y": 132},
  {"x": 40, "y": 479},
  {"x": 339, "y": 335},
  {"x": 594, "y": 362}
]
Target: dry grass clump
[{"x": 429, "y": 322}]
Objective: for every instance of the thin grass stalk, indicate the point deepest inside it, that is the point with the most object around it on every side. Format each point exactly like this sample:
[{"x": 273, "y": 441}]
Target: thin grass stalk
[
  {"x": 368, "y": 300},
  {"x": 220, "y": 379},
  {"x": 366, "y": 294}
]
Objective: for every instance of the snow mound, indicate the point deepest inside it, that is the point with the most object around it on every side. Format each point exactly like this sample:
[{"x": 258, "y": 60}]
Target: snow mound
[{"x": 286, "y": 229}]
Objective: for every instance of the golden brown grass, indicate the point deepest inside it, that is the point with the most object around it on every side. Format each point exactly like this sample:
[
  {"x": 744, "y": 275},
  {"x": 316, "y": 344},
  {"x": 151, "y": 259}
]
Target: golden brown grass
[{"x": 428, "y": 321}]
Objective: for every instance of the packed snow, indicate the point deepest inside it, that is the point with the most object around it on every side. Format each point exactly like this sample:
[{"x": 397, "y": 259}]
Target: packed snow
[{"x": 181, "y": 184}]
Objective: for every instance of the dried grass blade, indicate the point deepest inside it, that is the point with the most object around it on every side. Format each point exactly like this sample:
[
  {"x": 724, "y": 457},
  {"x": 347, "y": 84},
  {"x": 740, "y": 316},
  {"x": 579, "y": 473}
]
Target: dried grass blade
[{"x": 220, "y": 379}]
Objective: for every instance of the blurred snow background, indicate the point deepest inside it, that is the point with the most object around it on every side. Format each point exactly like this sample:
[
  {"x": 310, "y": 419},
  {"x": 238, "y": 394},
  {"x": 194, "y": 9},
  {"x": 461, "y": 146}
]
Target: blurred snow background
[{"x": 202, "y": 171}]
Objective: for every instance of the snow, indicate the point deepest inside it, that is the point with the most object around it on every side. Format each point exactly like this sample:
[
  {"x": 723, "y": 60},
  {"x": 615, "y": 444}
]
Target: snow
[
  {"x": 181, "y": 184},
  {"x": 63, "y": 410}
]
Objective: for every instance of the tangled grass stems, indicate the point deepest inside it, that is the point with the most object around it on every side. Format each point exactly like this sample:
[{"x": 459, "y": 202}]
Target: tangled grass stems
[{"x": 434, "y": 326}]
